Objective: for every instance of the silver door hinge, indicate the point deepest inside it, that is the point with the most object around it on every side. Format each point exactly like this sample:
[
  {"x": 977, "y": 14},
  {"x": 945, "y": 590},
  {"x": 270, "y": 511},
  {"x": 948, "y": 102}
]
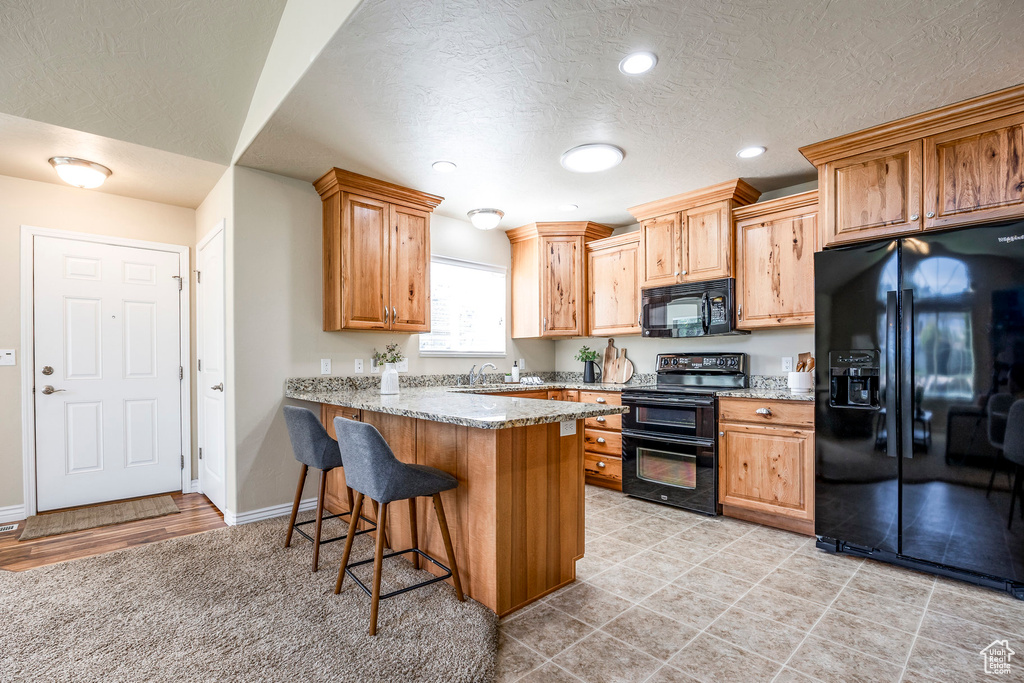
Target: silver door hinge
[
  {"x": 200, "y": 452},
  {"x": 178, "y": 278},
  {"x": 200, "y": 363},
  {"x": 183, "y": 461},
  {"x": 181, "y": 372}
]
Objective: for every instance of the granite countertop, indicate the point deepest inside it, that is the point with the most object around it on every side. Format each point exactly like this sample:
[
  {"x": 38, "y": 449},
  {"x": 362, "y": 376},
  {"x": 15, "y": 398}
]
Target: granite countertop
[
  {"x": 459, "y": 405},
  {"x": 767, "y": 394},
  {"x": 500, "y": 388}
]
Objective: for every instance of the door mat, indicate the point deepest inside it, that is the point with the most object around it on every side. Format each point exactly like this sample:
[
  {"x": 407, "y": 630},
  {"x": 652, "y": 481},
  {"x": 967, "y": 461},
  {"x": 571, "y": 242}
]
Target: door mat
[{"x": 56, "y": 523}]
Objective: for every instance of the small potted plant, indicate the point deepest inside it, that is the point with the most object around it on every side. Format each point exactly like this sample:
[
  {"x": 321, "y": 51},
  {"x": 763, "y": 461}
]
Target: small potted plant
[
  {"x": 390, "y": 357},
  {"x": 588, "y": 357}
]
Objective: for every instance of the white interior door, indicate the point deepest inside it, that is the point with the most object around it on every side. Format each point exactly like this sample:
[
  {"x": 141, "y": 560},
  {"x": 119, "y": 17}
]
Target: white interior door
[
  {"x": 210, "y": 344},
  {"x": 106, "y": 372}
]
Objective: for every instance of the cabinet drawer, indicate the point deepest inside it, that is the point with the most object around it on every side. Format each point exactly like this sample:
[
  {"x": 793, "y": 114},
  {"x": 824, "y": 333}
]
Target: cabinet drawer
[
  {"x": 602, "y": 466},
  {"x": 602, "y": 441},
  {"x": 329, "y": 412},
  {"x": 612, "y": 398},
  {"x": 612, "y": 422},
  {"x": 796, "y": 413}
]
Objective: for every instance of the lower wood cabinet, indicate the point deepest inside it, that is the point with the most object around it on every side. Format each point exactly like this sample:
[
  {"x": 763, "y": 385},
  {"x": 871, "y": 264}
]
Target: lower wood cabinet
[
  {"x": 602, "y": 441},
  {"x": 766, "y": 462}
]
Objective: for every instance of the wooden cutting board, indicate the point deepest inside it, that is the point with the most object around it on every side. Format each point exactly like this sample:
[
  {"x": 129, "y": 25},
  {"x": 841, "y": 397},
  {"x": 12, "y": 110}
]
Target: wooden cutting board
[{"x": 617, "y": 368}]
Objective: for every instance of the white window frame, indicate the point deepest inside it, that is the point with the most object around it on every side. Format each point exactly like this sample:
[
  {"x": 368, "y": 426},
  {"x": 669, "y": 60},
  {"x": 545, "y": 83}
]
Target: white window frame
[{"x": 491, "y": 268}]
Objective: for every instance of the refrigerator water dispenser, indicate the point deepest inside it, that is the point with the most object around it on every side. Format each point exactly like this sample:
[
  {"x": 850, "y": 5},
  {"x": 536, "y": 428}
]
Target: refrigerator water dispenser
[{"x": 853, "y": 379}]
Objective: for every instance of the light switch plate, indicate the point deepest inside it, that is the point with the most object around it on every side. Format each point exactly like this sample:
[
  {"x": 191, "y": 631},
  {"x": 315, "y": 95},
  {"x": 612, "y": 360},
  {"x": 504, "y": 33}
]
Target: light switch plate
[
  {"x": 359, "y": 366},
  {"x": 567, "y": 428},
  {"x": 7, "y": 357},
  {"x": 403, "y": 366},
  {"x": 325, "y": 366},
  {"x": 787, "y": 363}
]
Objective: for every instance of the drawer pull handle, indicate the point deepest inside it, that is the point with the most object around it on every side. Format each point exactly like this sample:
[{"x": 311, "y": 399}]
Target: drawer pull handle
[
  {"x": 600, "y": 439},
  {"x": 601, "y": 400},
  {"x": 764, "y": 411},
  {"x": 601, "y": 419},
  {"x": 601, "y": 464}
]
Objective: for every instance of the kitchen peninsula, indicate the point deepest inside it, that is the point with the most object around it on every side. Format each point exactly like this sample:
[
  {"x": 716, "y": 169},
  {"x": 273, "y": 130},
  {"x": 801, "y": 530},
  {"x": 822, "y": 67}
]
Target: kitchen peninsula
[{"x": 516, "y": 518}]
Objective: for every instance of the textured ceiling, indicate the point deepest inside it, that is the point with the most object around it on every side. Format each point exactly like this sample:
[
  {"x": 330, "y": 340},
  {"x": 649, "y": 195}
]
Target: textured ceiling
[
  {"x": 174, "y": 75},
  {"x": 503, "y": 87},
  {"x": 139, "y": 172}
]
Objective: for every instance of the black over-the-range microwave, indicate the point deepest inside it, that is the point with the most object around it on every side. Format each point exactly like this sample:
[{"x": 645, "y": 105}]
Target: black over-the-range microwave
[{"x": 694, "y": 309}]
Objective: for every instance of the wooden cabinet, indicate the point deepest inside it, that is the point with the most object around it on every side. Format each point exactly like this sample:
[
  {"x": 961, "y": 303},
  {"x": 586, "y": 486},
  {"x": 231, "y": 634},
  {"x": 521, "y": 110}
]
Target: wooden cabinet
[
  {"x": 602, "y": 441},
  {"x": 613, "y": 273},
  {"x": 766, "y": 462},
  {"x": 775, "y": 245},
  {"x": 955, "y": 166},
  {"x": 549, "y": 283},
  {"x": 689, "y": 237},
  {"x": 376, "y": 254}
]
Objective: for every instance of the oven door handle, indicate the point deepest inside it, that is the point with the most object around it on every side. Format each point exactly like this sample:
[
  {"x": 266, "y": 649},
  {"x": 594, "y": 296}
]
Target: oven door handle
[
  {"x": 682, "y": 402},
  {"x": 682, "y": 440}
]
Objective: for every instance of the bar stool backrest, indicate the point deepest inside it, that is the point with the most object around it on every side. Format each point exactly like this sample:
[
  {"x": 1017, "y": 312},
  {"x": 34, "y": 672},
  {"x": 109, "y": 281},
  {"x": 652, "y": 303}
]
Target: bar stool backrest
[
  {"x": 1013, "y": 442},
  {"x": 371, "y": 467},
  {"x": 312, "y": 445},
  {"x": 998, "y": 403}
]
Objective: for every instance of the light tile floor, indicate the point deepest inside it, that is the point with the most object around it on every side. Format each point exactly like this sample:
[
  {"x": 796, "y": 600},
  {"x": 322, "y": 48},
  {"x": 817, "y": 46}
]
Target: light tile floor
[{"x": 667, "y": 596}]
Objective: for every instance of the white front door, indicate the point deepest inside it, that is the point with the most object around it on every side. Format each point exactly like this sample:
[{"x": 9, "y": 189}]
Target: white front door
[
  {"x": 210, "y": 387},
  {"x": 106, "y": 375}
]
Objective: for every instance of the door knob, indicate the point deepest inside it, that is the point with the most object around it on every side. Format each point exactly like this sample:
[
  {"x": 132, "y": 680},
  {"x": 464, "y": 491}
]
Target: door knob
[
  {"x": 50, "y": 390},
  {"x": 47, "y": 370},
  {"x": 218, "y": 387}
]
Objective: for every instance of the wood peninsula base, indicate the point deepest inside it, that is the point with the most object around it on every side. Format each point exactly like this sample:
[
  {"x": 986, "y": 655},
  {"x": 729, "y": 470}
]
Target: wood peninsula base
[{"x": 516, "y": 518}]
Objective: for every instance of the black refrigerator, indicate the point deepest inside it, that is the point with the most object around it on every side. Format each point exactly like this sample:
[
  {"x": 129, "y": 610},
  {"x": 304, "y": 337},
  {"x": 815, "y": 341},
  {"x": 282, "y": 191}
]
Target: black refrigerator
[{"x": 919, "y": 352}]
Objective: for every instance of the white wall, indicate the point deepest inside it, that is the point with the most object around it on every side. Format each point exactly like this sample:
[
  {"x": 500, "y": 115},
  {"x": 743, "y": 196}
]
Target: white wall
[{"x": 58, "y": 207}]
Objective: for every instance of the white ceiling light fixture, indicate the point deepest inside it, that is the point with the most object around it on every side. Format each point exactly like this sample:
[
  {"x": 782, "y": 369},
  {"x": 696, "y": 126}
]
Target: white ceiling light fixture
[
  {"x": 485, "y": 219},
  {"x": 79, "y": 172},
  {"x": 750, "y": 152},
  {"x": 444, "y": 166},
  {"x": 638, "y": 63},
  {"x": 592, "y": 158},
  {"x": 568, "y": 207}
]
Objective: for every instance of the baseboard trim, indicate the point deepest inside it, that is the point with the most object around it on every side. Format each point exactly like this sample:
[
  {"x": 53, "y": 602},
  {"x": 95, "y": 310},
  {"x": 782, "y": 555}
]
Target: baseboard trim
[
  {"x": 195, "y": 486},
  {"x": 233, "y": 518},
  {"x": 16, "y": 513}
]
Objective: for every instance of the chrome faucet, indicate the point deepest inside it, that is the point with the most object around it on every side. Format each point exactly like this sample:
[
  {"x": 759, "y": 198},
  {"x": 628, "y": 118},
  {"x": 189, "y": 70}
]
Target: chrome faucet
[{"x": 475, "y": 377}]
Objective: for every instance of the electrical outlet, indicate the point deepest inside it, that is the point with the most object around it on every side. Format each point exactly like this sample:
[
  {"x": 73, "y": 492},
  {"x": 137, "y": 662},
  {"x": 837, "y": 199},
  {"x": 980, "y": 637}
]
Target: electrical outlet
[
  {"x": 359, "y": 366},
  {"x": 325, "y": 366},
  {"x": 403, "y": 366},
  {"x": 7, "y": 357},
  {"x": 787, "y": 363},
  {"x": 374, "y": 367}
]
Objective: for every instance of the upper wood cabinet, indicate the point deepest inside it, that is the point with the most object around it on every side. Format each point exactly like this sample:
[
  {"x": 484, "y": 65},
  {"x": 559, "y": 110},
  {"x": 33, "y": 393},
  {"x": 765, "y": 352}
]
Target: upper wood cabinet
[
  {"x": 549, "y": 284},
  {"x": 376, "y": 260},
  {"x": 689, "y": 237},
  {"x": 613, "y": 273},
  {"x": 959, "y": 165},
  {"x": 775, "y": 244}
]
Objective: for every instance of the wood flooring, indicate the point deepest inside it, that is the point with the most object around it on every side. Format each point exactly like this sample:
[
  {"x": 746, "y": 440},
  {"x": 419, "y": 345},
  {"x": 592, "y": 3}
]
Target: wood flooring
[{"x": 198, "y": 514}]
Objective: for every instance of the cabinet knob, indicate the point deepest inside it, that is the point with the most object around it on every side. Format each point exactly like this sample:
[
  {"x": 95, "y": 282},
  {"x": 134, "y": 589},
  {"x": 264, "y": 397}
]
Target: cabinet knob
[
  {"x": 677, "y": 272},
  {"x": 601, "y": 419},
  {"x": 721, "y": 433},
  {"x": 601, "y": 400},
  {"x": 764, "y": 411},
  {"x": 600, "y": 439},
  {"x": 914, "y": 216},
  {"x": 601, "y": 465},
  {"x": 930, "y": 214}
]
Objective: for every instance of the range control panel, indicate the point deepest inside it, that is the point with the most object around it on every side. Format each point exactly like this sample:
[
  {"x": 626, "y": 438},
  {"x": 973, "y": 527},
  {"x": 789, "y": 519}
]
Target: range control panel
[{"x": 702, "y": 362}]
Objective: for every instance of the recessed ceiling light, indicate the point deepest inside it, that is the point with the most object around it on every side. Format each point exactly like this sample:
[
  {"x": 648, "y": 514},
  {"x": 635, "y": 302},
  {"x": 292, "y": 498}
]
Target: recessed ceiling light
[
  {"x": 79, "y": 172},
  {"x": 485, "y": 219},
  {"x": 568, "y": 207},
  {"x": 638, "y": 63},
  {"x": 592, "y": 158},
  {"x": 750, "y": 152},
  {"x": 444, "y": 166}
]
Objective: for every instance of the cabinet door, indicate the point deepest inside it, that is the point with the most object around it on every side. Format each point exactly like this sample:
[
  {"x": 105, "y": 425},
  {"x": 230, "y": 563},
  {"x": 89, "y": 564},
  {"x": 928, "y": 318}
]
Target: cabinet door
[
  {"x": 614, "y": 296},
  {"x": 707, "y": 243},
  {"x": 875, "y": 194},
  {"x": 410, "y": 270},
  {"x": 662, "y": 250},
  {"x": 366, "y": 267},
  {"x": 975, "y": 174},
  {"x": 561, "y": 285},
  {"x": 775, "y": 269},
  {"x": 767, "y": 469}
]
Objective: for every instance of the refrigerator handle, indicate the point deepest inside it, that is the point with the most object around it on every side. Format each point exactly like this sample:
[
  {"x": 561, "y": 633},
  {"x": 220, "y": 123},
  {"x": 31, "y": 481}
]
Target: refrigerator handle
[
  {"x": 891, "y": 359},
  {"x": 907, "y": 372}
]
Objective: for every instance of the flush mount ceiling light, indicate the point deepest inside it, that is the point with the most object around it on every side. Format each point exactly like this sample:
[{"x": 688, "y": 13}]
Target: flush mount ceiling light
[
  {"x": 750, "y": 152},
  {"x": 444, "y": 166},
  {"x": 592, "y": 158},
  {"x": 79, "y": 172},
  {"x": 568, "y": 207},
  {"x": 638, "y": 63},
  {"x": 485, "y": 219}
]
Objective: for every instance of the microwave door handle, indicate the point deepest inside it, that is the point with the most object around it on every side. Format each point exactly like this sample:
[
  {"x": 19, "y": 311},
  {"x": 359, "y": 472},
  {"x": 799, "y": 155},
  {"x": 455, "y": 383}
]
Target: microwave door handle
[
  {"x": 705, "y": 312},
  {"x": 891, "y": 360}
]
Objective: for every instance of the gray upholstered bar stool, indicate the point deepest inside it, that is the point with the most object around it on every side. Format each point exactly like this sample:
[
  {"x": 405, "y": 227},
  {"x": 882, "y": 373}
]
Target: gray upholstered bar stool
[
  {"x": 373, "y": 471},
  {"x": 313, "y": 447}
]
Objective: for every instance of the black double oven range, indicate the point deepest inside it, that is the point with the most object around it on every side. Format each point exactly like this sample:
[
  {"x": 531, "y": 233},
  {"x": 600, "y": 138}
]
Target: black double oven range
[{"x": 670, "y": 434}]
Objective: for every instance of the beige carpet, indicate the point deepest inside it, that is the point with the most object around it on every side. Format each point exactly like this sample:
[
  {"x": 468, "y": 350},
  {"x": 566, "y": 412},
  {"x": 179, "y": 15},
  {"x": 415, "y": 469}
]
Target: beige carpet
[
  {"x": 56, "y": 523},
  {"x": 233, "y": 605}
]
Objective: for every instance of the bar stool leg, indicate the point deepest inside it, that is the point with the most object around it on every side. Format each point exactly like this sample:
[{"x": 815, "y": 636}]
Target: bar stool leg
[
  {"x": 381, "y": 529},
  {"x": 439, "y": 508},
  {"x": 353, "y": 522},
  {"x": 378, "y": 560},
  {"x": 413, "y": 533},
  {"x": 321, "y": 494},
  {"x": 295, "y": 505}
]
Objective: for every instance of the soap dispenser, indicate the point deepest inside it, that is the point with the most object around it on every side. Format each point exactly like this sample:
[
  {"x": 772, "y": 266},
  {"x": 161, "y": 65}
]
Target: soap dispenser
[{"x": 515, "y": 372}]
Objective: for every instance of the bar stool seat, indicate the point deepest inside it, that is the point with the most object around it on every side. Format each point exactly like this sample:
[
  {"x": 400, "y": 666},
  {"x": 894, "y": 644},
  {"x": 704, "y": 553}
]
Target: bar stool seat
[
  {"x": 373, "y": 471},
  {"x": 315, "y": 448}
]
